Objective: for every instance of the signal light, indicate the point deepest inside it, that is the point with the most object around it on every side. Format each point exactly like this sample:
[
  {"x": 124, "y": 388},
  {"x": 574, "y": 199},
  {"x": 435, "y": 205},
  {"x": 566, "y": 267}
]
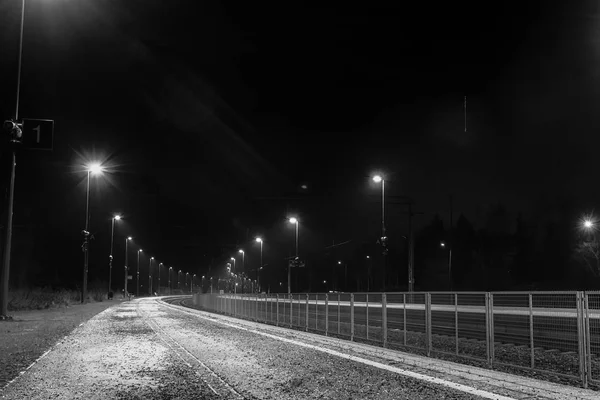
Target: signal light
[{"x": 15, "y": 130}]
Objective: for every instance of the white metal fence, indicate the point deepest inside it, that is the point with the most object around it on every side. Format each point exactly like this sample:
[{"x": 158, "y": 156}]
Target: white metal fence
[{"x": 551, "y": 332}]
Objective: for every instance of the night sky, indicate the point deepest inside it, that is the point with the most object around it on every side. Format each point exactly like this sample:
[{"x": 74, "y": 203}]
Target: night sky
[{"x": 210, "y": 115}]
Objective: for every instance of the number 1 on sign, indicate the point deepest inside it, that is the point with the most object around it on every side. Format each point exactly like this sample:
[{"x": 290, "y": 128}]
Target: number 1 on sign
[{"x": 37, "y": 130}]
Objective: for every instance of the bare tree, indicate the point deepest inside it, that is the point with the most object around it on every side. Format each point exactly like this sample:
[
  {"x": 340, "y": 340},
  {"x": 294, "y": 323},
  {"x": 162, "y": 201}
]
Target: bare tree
[{"x": 588, "y": 251}]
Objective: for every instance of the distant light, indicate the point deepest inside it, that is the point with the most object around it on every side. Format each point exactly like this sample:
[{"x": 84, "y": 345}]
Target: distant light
[
  {"x": 152, "y": 258},
  {"x": 129, "y": 238},
  {"x": 293, "y": 220},
  {"x": 202, "y": 276},
  {"x": 232, "y": 259},
  {"x": 258, "y": 240},
  {"x": 95, "y": 168},
  {"x": 588, "y": 224},
  {"x": 140, "y": 250},
  {"x": 241, "y": 251},
  {"x": 304, "y": 187},
  {"x": 442, "y": 244},
  {"x": 117, "y": 217},
  {"x": 339, "y": 262},
  {"x": 368, "y": 257},
  {"x": 377, "y": 178}
]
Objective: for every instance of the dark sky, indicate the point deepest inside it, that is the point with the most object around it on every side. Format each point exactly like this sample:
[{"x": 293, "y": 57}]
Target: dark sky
[{"x": 199, "y": 108}]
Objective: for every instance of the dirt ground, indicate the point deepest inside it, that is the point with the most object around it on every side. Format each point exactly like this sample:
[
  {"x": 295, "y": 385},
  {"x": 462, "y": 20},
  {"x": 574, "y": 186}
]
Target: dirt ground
[{"x": 30, "y": 333}]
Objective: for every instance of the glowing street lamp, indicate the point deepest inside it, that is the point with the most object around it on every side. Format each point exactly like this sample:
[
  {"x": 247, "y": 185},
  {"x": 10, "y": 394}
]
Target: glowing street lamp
[
  {"x": 295, "y": 221},
  {"x": 127, "y": 240},
  {"x": 137, "y": 279},
  {"x": 170, "y": 268},
  {"x": 378, "y": 179},
  {"x": 91, "y": 169},
  {"x": 588, "y": 224},
  {"x": 150, "y": 276},
  {"x": 233, "y": 259},
  {"x": 243, "y": 259},
  {"x": 159, "y": 265},
  {"x": 259, "y": 240},
  {"x": 110, "y": 257}
]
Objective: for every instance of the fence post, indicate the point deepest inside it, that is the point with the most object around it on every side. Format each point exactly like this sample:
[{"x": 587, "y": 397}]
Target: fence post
[
  {"x": 317, "y": 312},
  {"x": 351, "y": 316},
  {"x": 492, "y": 331},
  {"x": 581, "y": 339},
  {"x": 326, "y": 313},
  {"x": 489, "y": 334},
  {"x": 277, "y": 311},
  {"x": 531, "y": 343},
  {"x": 456, "y": 321},
  {"x": 306, "y": 325},
  {"x": 588, "y": 339},
  {"x": 384, "y": 319},
  {"x": 428, "y": 329},
  {"x": 367, "y": 314},
  {"x": 404, "y": 317},
  {"x": 339, "y": 312},
  {"x": 291, "y": 309}
]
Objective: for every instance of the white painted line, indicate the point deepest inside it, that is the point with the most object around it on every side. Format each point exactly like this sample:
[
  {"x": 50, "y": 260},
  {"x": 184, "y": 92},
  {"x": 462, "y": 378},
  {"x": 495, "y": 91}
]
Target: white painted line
[{"x": 399, "y": 371}]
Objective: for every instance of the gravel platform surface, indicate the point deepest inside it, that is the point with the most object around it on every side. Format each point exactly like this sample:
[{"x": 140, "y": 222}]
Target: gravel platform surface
[{"x": 145, "y": 350}]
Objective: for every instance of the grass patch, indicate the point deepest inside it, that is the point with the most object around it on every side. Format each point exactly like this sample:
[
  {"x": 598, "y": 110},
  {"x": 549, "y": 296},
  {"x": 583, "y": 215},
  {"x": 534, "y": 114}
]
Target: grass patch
[{"x": 44, "y": 298}]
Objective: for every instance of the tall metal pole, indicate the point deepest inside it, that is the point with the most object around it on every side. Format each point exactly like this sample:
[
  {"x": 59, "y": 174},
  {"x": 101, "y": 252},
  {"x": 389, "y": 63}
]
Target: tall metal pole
[
  {"x": 11, "y": 187},
  {"x": 261, "y": 264},
  {"x": 450, "y": 247},
  {"x": 411, "y": 279},
  {"x": 110, "y": 257},
  {"x": 150, "y": 276},
  {"x": 126, "y": 267},
  {"x": 383, "y": 237},
  {"x": 137, "y": 278},
  {"x": 170, "y": 268},
  {"x": 159, "y": 265},
  {"x": 86, "y": 235}
]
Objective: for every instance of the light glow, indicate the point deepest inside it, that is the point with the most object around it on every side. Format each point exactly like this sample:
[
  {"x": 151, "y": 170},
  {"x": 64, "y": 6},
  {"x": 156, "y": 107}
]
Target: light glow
[
  {"x": 377, "y": 178},
  {"x": 293, "y": 220},
  {"x": 95, "y": 168}
]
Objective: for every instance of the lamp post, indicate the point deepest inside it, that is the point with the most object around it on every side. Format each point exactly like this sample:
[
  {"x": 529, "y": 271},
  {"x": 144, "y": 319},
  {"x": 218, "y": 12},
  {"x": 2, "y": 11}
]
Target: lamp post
[
  {"x": 243, "y": 259},
  {"x": 377, "y": 179},
  {"x": 159, "y": 265},
  {"x": 443, "y": 245},
  {"x": 92, "y": 169},
  {"x": 178, "y": 274},
  {"x": 259, "y": 240},
  {"x": 110, "y": 257},
  {"x": 186, "y": 279},
  {"x": 126, "y": 265},
  {"x": 294, "y": 221},
  {"x": 137, "y": 279},
  {"x": 233, "y": 259},
  {"x": 150, "y": 276},
  {"x": 170, "y": 268}
]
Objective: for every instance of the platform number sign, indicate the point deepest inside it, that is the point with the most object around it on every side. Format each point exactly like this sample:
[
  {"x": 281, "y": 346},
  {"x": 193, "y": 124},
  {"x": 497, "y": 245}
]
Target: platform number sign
[{"x": 38, "y": 134}]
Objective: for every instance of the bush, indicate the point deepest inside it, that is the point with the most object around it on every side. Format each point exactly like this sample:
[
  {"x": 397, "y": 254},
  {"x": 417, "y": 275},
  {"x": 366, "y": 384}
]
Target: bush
[{"x": 41, "y": 298}]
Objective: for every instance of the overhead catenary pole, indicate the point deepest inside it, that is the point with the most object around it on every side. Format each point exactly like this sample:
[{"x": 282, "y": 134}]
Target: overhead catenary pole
[
  {"x": 450, "y": 247},
  {"x": 11, "y": 188}
]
